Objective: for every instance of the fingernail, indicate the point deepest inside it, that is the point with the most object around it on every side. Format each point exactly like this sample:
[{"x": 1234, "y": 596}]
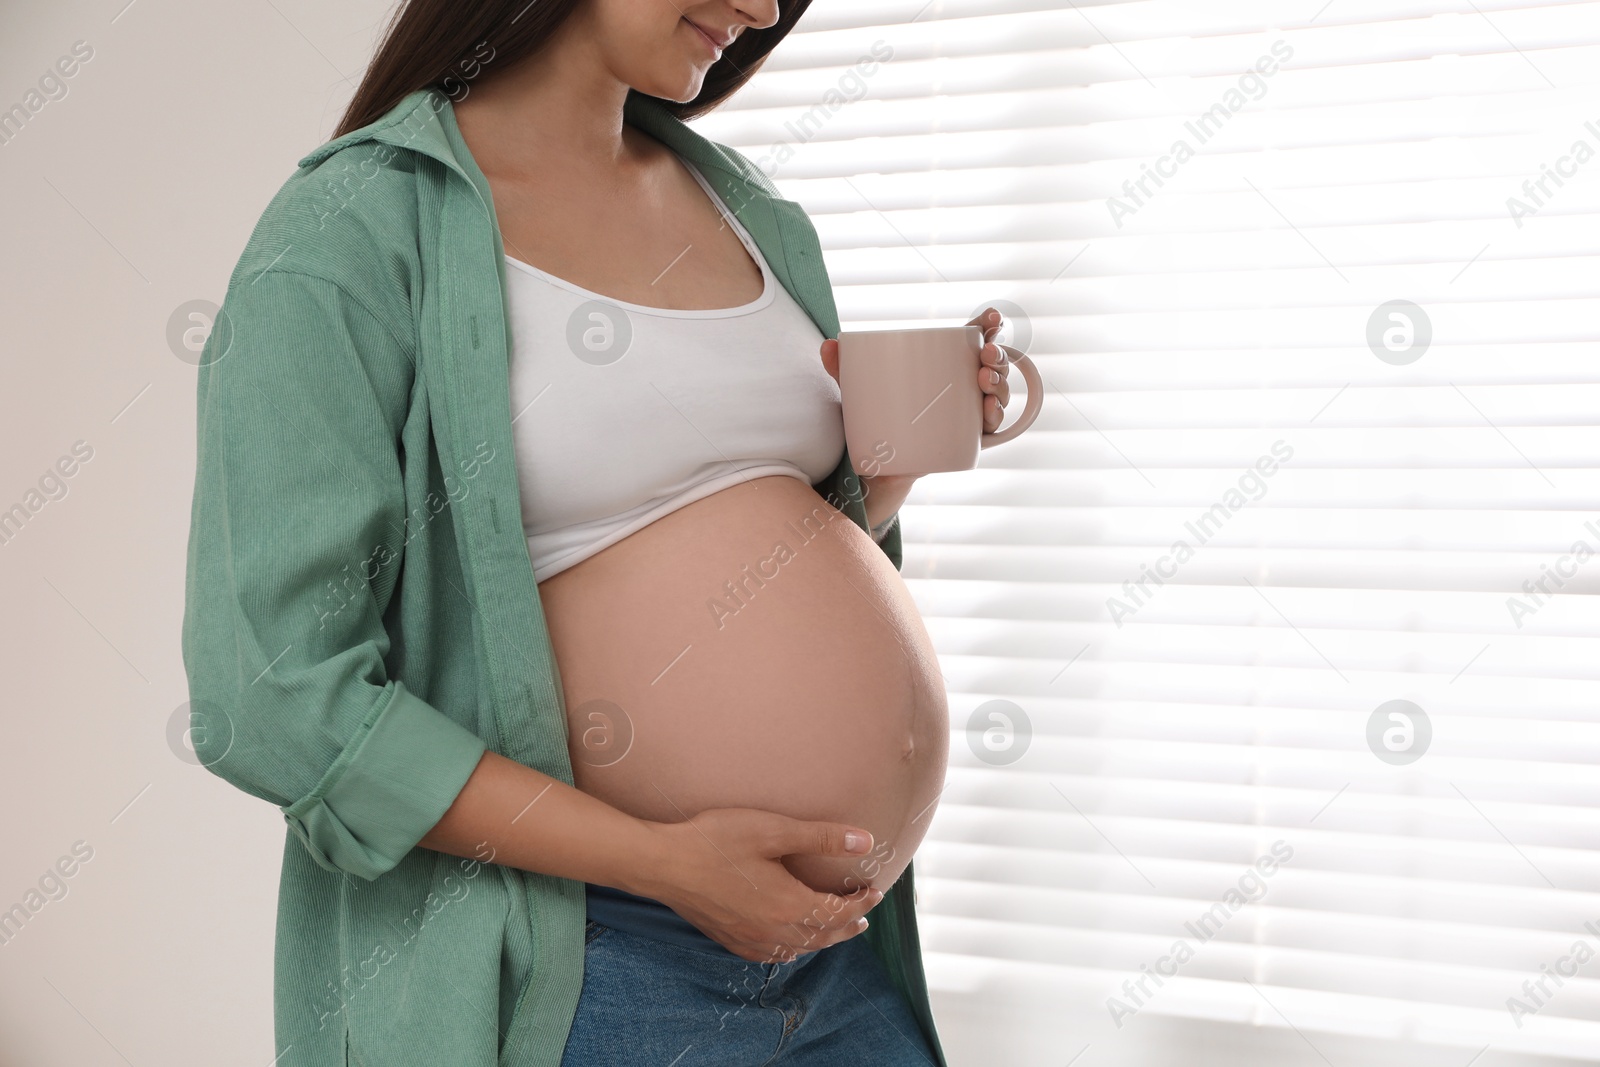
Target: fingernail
[{"x": 856, "y": 841}]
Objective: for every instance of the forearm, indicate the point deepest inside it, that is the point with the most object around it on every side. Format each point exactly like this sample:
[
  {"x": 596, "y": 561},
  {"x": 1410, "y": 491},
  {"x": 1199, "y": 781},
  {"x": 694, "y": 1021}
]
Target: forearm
[
  {"x": 538, "y": 823},
  {"x": 884, "y": 496}
]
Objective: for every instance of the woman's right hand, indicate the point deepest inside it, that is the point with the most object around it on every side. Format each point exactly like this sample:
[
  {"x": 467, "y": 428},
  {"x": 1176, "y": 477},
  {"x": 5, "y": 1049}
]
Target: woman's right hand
[{"x": 722, "y": 871}]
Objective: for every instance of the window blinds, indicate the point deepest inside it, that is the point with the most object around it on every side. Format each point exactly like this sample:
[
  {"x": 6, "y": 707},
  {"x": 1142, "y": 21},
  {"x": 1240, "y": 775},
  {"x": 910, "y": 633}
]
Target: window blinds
[{"x": 1270, "y": 649}]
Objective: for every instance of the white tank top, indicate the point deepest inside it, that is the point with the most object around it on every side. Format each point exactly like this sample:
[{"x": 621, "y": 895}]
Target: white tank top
[{"x": 622, "y": 413}]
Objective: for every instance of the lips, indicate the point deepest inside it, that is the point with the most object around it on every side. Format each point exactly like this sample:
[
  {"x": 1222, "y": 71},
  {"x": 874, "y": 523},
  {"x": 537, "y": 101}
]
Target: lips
[{"x": 716, "y": 41}]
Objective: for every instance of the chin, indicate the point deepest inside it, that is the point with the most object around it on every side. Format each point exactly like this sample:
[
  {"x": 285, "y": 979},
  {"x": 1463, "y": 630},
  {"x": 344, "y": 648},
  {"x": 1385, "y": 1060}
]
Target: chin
[{"x": 680, "y": 90}]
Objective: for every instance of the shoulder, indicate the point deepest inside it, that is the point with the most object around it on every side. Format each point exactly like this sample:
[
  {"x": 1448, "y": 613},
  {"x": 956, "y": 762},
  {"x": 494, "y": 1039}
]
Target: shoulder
[{"x": 349, "y": 216}]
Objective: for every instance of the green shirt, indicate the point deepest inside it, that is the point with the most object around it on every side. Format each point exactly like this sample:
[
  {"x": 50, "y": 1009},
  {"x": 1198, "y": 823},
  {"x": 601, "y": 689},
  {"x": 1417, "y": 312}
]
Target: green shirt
[{"x": 361, "y": 618}]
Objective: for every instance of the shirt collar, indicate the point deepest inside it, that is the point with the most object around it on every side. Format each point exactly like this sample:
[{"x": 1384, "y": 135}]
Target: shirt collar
[{"x": 424, "y": 121}]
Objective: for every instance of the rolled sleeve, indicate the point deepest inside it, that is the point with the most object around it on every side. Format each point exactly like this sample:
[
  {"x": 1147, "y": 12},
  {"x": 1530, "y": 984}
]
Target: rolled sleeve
[{"x": 387, "y": 789}]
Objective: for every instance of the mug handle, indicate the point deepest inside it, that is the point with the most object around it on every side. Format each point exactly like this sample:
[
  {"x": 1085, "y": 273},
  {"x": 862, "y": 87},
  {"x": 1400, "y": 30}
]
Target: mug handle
[{"x": 1030, "y": 411}]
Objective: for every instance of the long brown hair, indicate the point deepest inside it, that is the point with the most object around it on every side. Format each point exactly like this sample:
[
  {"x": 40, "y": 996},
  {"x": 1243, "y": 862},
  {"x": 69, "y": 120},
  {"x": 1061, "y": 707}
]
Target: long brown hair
[{"x": 444, "y": 44}]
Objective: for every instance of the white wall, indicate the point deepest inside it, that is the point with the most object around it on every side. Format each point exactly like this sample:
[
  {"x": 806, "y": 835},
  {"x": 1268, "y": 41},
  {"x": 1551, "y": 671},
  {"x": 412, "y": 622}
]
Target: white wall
[{"x": 126, "y": 198}]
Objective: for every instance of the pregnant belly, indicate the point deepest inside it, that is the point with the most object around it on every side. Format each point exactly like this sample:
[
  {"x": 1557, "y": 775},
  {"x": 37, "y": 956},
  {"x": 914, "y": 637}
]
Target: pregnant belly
[{"x": 754, "y": 649}]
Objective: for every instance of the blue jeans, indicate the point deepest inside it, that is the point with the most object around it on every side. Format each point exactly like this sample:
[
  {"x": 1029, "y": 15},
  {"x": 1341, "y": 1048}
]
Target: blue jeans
[{"x": 668, "y": 996}]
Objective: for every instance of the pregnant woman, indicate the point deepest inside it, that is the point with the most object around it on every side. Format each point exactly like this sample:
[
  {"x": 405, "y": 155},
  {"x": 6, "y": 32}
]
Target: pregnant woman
[{"x": 530, "y": 577}]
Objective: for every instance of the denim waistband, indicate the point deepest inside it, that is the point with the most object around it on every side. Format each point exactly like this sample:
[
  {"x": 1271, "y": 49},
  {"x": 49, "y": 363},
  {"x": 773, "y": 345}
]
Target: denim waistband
[{"x": 647, "y": 917}]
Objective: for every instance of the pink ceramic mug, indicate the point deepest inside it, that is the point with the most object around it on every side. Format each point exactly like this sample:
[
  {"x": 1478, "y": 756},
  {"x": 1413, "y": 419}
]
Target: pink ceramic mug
[{"x": 911, "y": 399}]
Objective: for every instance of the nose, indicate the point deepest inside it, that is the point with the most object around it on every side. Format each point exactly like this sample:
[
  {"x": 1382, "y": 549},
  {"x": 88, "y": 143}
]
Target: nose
[{"x": 757, "y": 14}]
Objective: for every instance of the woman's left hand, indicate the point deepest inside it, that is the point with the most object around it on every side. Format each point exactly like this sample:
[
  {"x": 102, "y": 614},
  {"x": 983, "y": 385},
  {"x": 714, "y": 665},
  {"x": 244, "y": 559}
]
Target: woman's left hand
[
  {"x": 886, "y": 492},
  {"x": 992, "y": 375},
  {"x": 992, "y": 371}
]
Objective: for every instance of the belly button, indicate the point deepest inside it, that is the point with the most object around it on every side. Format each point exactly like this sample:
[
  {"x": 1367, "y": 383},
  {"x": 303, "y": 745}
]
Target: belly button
[{"x": 910, "y": 749}]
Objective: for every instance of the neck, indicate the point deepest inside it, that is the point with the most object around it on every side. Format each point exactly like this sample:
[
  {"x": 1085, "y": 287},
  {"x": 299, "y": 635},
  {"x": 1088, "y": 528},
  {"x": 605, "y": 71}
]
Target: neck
[{"x": 561, "y": 108}]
